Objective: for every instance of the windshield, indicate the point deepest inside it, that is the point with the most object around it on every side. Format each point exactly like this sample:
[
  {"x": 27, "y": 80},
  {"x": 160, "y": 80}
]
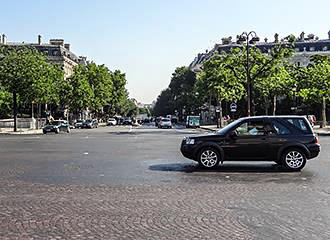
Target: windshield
[{"x": 228, "y": 127}]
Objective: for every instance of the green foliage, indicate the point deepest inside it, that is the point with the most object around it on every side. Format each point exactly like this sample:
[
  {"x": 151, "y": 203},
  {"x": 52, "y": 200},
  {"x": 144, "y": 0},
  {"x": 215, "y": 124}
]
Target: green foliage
[
  {"x": 119, "y": 102},
  {"x": 163, "y": 104},
  {"x": 314, "y": 84},
  {"x": 100, "y": 80},
  {"x": 25, "y": 71},
  {"x": 80, "y": 93},
  {"x": 218, "y": 80},
  {"x": 181, "y": 94},
  {"x": 5, "y": 103}
]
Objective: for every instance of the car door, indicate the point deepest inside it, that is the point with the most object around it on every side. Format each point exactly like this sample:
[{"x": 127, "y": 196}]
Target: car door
[{"x": 249, "y": 141}]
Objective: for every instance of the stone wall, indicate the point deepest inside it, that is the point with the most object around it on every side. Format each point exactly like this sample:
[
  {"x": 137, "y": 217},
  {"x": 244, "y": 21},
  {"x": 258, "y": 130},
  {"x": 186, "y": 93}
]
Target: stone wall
[{"x": 28, "y": 123}]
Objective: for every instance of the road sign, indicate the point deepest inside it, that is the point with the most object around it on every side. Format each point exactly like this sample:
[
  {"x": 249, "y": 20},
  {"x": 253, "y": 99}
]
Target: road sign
[{"x": 233, "y": 107}]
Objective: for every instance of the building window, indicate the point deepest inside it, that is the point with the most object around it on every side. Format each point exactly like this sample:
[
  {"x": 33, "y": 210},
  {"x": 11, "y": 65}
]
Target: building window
[
  {"x": 56, "y": 53},
  {"x": 325, "y": 48},
  {"x": 312, "y": 49}
]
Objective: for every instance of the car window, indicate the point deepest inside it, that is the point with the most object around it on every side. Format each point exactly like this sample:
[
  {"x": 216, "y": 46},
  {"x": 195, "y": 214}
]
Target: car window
[
  {"x": 298, "y": 123},
  {"x": 251, "y": 128},
  {"x": 280, "y": 129}
]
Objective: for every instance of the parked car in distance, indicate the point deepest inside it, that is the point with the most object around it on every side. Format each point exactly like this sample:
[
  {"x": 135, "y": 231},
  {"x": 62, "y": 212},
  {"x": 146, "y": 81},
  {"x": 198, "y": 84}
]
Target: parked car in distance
[
  {"x": 286, "y": 140},
  {"x": 90, "y": 123},
  {"x": 57, "y": 126},
  {"x": 79, "y": 123},
  {"x": 112, "y": 122},
  {"x": 157, "y": 120},
  {"x": 127, "y": 121},
  {"x": 165, "y": 123},
  {"x": 193, "y": 122}
]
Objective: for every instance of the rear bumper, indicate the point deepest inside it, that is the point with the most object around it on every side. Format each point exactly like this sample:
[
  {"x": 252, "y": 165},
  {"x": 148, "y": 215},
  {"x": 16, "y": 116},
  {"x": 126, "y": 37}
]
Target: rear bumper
[{"x": 314, "y": 150}]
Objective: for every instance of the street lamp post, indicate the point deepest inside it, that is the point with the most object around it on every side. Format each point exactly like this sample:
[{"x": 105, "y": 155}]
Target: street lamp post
[{"x": 245, "y": 37}]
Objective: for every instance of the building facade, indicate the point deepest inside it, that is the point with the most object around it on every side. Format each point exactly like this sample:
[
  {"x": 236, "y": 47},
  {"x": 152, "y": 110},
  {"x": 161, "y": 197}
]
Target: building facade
[
  {"x": 305, "y": 47},
  {"x": 57, "y": 52}
]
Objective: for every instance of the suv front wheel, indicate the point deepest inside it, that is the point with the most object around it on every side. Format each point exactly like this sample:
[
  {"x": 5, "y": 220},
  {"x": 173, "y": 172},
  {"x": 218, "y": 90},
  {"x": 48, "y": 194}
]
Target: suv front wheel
[
  {"x": 208, "y": 158},
  {"x": 294, "y": 159}
]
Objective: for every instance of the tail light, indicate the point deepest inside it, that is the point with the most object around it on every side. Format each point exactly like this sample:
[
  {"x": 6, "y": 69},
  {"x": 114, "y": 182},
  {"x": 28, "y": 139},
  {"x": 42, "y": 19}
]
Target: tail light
[{"x": 317, "y": 141}]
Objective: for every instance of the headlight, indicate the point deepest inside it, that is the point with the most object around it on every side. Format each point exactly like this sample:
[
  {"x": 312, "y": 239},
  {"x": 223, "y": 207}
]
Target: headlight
[{"x": 190, "y": 141}]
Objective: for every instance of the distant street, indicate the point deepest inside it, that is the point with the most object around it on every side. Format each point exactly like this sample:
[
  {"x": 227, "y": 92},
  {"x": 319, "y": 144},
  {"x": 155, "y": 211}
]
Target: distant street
[{"x": 133, "y": 183}]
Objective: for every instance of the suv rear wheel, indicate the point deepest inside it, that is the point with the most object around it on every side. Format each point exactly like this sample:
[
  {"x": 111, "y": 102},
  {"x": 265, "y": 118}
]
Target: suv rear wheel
[
  {"x": 294, "y": 159},
  {"x": 208, "y": 158}
]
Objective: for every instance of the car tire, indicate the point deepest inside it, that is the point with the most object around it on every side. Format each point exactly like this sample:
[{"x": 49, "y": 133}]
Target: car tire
[
  {"x": 57, "y": 131},
  {"x": 68, "y": 130},
  {"x": 294, "y": 159},
  {"x": 208, "y": 158},
  {"x": 45, "y": 132}
]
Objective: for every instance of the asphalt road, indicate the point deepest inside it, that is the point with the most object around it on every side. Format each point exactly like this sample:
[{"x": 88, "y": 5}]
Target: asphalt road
[{"x": 133, "y": 183}]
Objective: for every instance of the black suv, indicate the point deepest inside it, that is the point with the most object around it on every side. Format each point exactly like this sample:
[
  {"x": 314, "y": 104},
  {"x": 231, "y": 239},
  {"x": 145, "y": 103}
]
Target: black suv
[{"x": 286, "y": 140}]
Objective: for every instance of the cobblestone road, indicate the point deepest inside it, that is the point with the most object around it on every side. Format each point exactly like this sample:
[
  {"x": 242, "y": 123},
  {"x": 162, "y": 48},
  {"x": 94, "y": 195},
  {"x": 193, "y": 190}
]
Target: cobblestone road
[{"x": 134, "y": 184}]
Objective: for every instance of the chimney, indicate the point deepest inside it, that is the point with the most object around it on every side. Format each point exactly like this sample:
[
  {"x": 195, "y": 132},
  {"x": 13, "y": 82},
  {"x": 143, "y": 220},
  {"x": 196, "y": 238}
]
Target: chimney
[
  {"x": 39, "y": 39},
  {"x": 57, "y": 42},
  {"x": 4, "y": 39},
  {"x": 67, "y": 46}
]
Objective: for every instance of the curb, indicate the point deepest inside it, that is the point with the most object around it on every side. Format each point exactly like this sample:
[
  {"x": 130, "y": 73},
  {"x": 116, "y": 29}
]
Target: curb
[
  {"x": 22, "y": 133},
  {"x": 323, "y": 134}
]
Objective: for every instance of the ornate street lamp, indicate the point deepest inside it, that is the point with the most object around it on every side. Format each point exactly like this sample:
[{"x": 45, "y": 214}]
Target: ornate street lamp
[{"x": 245, "y": 37}]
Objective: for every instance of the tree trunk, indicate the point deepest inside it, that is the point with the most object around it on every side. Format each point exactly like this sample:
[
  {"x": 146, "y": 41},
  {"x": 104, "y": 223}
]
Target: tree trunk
[
  {"x": 220, "y": 115},
  {"x": 274, "y": 105},
  {"x": 324, "y": 114},
  {"x": 15, "y": 110}
]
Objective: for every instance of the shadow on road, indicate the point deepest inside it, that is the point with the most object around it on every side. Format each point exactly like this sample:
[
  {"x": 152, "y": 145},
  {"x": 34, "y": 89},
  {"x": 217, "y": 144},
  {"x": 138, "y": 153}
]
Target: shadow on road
[{"x": 227, "y": 167}]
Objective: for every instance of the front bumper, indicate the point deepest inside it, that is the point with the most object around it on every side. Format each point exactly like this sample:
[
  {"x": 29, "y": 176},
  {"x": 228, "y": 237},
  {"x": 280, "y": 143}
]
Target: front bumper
[{"x": 187, "y": 150}]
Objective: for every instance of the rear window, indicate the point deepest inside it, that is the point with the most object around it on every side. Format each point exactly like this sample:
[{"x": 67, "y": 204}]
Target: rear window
[
  {"x": 299, "y": 123},
  {"x": 280, "y": 129},
  {"x": 166, "y": 120}
]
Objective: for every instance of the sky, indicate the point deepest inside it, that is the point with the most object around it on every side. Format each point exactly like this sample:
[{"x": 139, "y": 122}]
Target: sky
[{"x": 148, "y": 39}]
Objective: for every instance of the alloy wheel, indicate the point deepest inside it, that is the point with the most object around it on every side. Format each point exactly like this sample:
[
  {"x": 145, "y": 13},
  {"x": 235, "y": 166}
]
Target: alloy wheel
[
  {"x": 209, "y": 158},
  {"x": 294, "y": 159}
]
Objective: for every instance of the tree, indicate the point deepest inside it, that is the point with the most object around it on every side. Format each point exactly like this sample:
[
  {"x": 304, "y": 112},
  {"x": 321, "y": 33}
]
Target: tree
[
  {"x": 163, "y": 104},
  {"x": 217, "y": 79},
  {"x": 259, "y": 66},
  {"x": 120, "y": 94},
  {"x": 315, "y": 86},
  {"x": 183, "y": 91},
  {"x": 25, "y": 73},
  {"x": 181, "y": 95},
  {"x": 79, "y": 92},
  {"x": 277, "y": 82},
  {"x": 5, "y": 103},
  {"x": 100, "y": 80}
]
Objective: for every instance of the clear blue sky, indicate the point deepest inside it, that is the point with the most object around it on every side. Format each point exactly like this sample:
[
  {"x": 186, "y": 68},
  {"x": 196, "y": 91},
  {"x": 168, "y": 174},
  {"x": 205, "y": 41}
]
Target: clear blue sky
[{"x": 148, "y": 39}]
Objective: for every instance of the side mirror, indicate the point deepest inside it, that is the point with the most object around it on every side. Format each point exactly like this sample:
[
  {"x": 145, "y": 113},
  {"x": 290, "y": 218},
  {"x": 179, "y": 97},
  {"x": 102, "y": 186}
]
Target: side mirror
[{"x": 233, "y": 134}]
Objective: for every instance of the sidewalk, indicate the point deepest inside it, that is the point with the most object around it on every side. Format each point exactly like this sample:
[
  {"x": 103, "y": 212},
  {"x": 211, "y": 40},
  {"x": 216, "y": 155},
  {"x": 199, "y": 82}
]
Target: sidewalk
[
  {"x": 319, "y": 131},
  {"x": 10, "y": 131}
]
